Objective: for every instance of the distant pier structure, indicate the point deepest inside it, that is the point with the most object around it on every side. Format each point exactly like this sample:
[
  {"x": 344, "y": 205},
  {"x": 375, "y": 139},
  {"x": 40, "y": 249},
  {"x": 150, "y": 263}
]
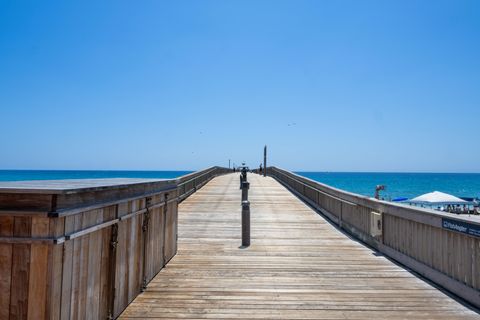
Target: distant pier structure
[{"x": 142, "y": 248}]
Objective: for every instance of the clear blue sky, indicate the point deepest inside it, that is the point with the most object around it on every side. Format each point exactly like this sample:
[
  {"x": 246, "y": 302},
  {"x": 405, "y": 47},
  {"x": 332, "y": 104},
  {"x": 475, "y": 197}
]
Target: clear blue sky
[{"x": 328, "y": 85}]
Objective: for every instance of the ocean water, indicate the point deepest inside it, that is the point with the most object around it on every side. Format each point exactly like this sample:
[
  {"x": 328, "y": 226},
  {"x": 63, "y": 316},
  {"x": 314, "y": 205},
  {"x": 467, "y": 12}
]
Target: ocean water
[
  {"x": 408, "y": 185},
  {"x": 19, "y": 175}
]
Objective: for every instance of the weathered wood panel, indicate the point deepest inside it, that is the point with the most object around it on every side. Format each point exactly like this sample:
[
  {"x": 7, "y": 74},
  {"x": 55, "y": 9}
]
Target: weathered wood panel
[
  {"x": 154, "y": 243},
  {"x": 129, "y": 255},
  {"x": 170, "y": 235},
  {"x": 6, "y": 249},
  {"x": 37, "y": 291},
  {"x": 448, "y": 252},
  {"x": 54, "y": 271},
  {"x": 22, "y": 227}
]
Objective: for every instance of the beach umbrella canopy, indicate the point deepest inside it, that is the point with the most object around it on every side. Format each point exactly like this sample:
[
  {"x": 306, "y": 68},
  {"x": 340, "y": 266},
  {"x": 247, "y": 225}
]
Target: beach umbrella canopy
[{"x": 437, "y": 197}]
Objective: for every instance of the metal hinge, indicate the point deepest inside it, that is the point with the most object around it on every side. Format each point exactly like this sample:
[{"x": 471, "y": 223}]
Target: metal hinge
[
  {"x": 146, "y": 218},
  {"x": 148, "y": 201},
  {"x": 114, "y": 238},
  {"x": 146, "y": 215}
]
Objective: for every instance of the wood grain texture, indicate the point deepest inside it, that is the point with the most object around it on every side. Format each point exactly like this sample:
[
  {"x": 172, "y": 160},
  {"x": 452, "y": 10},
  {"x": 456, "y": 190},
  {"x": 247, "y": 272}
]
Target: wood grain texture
[
  {"x": 6, "y": 229},
  {"x": 299, "y": 266},
  {"x": 37, "y": 291},
  {"x": 22, "y": 227}
]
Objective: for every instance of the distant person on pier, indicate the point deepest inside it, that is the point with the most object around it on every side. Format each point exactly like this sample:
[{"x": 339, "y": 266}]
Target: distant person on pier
[{"x": 260, "y": 170}]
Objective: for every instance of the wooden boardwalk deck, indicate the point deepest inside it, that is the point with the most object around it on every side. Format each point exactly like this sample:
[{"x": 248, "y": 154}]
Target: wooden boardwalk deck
[{"x": 298, "y": 267}]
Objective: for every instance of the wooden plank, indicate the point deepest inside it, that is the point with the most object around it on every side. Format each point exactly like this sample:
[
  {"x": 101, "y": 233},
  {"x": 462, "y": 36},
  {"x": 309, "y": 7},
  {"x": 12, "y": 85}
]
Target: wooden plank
[
  {"x": 67, "y": 270},
  {"x": 105, "y": 295},
  {"x": 20, "y": 270},
  {"x": 170, "y": 233},
  {"x": 121, "y": 271},
  {"x": 54, "y": 278},
  {"x": 55, "y": 271},
  {"x": 37, "y": 291},
  {"x": 299, "y": 266},
  {"x": 75, "y": 271},
  {"x": 88, "y": 220},
  {"x": 135, "y": 258},
  {"x": 6, "y": 229},
  {"x": 94, "y": 228},
  {"x": 94, "y": 268}
]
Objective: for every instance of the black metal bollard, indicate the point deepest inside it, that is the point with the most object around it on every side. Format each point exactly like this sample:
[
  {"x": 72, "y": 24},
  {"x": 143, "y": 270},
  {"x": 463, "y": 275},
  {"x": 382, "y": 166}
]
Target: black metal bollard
[
  {"x": 245, "y": 223},
  {"x": 245, "y": 187}
]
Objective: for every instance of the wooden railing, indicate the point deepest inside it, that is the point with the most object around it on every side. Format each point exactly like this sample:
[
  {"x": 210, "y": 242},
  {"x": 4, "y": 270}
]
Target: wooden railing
[
  {"x": 189, "y": 183},
  {"x": 85, "y": 251},
  {"x": 442, "y": 247}
]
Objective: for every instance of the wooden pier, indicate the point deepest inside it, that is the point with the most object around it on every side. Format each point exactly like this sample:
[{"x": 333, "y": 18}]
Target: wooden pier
[
  {"x": 299, "y": 266},
  {"x": 170, "y": 249}
]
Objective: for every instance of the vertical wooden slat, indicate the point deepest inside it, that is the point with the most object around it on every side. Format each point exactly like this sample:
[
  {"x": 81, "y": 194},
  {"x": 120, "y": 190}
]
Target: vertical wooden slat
[
  {"x": 84, "y": 256},
  {"x": 126, "y": 261},
  {"x": 159, "y": 240},
  {"x": 67, "y": 272},
  {"x": 112, "y": 267},
  {"x": 6, "y": 230},
  {"x": 38, "y": 270},
  {"x": 104, "y": 274},
  {"x": 76, "y": 271},
  {"x": 170, "y": 233},
  {"x": 105, "y": 263},
  {"x": 20, "y": 270},
  {"x": 54, "y": 287},
  {"x": 475, "y": 264},
  {"x": 94, "y": 268},
  {"x": 121, "y": 268},
  {"x": 134, "y": 256}
]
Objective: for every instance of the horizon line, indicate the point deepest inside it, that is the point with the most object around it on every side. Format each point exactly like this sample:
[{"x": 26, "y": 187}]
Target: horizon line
[{"x": 295, "y": 171}]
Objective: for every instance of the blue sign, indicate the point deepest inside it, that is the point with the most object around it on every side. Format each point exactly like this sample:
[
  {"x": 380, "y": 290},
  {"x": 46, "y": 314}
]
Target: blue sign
[{"x": 461, "y": 226}]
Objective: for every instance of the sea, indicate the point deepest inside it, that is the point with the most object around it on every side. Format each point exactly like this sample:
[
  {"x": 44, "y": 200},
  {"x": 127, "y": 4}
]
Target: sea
[
  {"x": 398, "y": 185},
  {"x": 401, "y": 185},
  {"x": 25, "y": 175}
]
